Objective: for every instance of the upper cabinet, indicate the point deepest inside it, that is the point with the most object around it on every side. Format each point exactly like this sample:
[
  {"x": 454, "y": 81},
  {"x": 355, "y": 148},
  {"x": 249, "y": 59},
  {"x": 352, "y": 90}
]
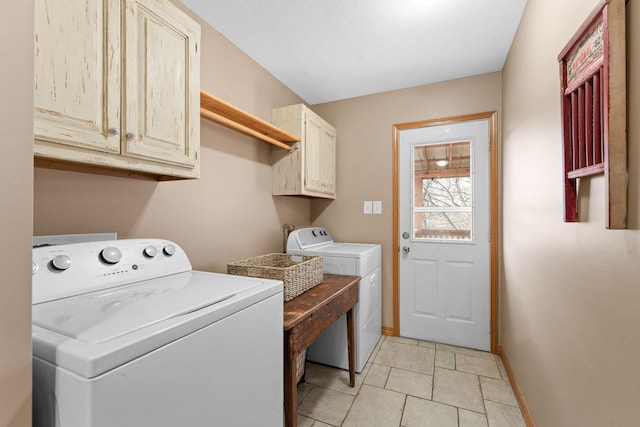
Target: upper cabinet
[
  {"x": 310, "y": 168},
  {"x": 117, "y": 87}
]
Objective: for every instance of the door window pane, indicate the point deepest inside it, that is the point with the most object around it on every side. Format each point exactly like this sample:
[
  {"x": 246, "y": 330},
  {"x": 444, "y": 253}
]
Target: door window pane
[
  {"x": 446, "y": 192},
  {"x": 444, "y": 225},
  {"x": 442, "y": 191}
]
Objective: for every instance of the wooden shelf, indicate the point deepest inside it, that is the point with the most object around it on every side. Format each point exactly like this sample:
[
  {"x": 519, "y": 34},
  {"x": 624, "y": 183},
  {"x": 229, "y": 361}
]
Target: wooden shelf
[{"x": 225, "y": 114}]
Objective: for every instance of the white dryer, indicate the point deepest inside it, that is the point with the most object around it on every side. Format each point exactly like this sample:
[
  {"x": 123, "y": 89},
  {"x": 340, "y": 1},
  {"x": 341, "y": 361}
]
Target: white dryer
[
  {"x": 360, "y": 259},
  {"x": 126, "y": 334}
]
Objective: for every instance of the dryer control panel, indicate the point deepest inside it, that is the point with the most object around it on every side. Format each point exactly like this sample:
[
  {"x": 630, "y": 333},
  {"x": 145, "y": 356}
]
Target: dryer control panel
[{"x": 306, "y": 238}]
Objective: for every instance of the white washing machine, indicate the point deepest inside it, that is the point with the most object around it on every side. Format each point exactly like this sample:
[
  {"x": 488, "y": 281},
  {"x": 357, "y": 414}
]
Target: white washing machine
[
  {"x": 126, "y": 334},
  {"x": 360, "y": 259}
]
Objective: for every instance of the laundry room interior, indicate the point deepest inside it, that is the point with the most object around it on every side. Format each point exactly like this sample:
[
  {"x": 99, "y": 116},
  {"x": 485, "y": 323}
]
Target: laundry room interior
[{"x": 564, "y": 332}]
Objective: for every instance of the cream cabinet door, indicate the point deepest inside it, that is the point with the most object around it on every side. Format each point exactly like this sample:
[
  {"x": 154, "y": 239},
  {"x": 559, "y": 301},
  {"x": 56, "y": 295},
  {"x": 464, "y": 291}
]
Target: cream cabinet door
[
  {"x": 320, "y": 155},
  {"x": 162, "y": 108},
  {"x": 77, "y": 73},
  {"x": 310, "y": 169}
]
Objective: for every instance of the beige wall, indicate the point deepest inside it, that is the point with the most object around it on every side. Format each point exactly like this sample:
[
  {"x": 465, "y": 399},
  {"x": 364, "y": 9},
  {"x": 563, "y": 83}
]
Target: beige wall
[
  {"x": 16, "y": 190},
  {"x": 570, "y": 291},
  {"x": 570, "y": 322},
  {"x": 226, "y": 215},
  {"x": 364, "y": 150}
]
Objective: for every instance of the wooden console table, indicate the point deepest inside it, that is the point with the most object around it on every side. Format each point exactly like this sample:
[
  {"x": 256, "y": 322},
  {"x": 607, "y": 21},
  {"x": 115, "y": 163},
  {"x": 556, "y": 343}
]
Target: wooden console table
[{"x": 306, "y": 317}]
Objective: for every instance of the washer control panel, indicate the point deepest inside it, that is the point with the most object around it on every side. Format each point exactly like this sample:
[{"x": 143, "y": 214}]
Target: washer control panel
[
  {"x": 305, "y": 238},
  {"x": 71, "y": 269}
]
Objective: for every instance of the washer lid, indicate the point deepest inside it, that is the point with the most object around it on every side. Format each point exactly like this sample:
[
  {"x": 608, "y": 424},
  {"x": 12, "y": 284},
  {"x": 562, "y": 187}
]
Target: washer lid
[
  {"x": 348, "y": 250},
  {"x": 105, "y": 315},
  {"x": 93, "y": 333}
]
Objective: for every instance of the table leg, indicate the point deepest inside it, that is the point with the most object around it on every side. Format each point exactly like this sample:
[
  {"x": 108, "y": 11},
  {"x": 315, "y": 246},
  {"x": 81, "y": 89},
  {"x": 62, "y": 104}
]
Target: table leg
[
  {"x": 351, "y": 348},
  {"x": 290, "y": 387}
]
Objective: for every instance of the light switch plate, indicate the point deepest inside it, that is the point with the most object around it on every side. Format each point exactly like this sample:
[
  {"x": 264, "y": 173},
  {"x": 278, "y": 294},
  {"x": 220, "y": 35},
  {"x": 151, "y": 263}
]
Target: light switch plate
[
  {"x": 377, "y": 207},
  {"x": 368, "y": 207}
]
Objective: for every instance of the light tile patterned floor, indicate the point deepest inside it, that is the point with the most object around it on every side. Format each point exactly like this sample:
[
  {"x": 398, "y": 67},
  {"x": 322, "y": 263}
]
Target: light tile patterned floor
[{"x": 411, "y": 383}]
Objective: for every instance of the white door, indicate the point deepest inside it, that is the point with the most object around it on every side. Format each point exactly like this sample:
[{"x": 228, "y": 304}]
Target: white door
[{"x": 444, "y": 231}]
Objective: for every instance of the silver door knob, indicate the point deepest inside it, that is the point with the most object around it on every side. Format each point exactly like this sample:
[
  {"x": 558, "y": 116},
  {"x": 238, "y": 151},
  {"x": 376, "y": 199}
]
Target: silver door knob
[
  {"x": 405, "y": 235},
  {"x": 406, "y": 249},
  {"x": 130, "y": 135},
  {"x": 113, "y": 131}
]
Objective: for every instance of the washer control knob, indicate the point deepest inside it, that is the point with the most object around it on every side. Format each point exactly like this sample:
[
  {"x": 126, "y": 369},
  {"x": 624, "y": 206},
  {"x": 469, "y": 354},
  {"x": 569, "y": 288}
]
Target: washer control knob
[
  {"x": 61, "y": 262},
  {"x": 150, "y": 251},
  {"x": 169, "y": 250},
  {"x": 34, "y": 267},
  {"x": 111, "y": 255}
]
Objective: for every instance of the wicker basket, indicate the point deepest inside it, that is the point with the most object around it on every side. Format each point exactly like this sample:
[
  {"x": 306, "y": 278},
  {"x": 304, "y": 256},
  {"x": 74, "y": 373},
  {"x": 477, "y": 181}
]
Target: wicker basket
[{"x": 299, "y": 273}]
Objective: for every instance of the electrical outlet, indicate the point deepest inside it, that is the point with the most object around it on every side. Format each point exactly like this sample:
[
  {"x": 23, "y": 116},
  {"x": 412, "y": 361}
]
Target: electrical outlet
[
  {"x": 377, "y": 207},
  {"x": 368, "y": 207}
]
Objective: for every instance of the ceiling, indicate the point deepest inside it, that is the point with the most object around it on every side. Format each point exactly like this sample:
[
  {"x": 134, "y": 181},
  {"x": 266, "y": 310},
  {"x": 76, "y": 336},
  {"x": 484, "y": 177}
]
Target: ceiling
[{"x": 327, "y": 50}]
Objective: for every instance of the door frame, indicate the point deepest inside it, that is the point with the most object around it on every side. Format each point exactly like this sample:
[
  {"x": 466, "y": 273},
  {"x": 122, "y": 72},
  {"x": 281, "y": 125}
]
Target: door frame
[{"x": 492, "y": 116}]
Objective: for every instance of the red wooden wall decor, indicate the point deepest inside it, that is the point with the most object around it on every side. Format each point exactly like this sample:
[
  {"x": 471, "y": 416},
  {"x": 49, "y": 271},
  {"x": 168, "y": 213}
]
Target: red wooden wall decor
[{"x": 594, "y": 110}]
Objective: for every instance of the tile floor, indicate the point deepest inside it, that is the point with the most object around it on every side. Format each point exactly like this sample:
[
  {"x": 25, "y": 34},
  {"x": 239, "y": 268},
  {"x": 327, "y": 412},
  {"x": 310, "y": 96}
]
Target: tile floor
[{"x": 411, "y": 383}]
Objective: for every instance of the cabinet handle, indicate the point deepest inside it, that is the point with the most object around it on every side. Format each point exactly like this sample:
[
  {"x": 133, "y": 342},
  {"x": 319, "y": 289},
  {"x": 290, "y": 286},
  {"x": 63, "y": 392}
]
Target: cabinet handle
[
  {"x": 130, "y": 135},
  {"x": 113, "y": 131}
]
